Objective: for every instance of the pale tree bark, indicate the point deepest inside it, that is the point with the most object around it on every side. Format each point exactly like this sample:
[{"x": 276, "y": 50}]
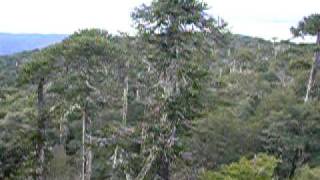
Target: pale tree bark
[
  {"x": 167, "y": 85},
  {"x": 220, "y": 73},
  {"x": 148, "y": 164},
  {"x": 234, "y": 66},
  {"x": 163, "y": 161},
  {"x": 115, "y": 155},
  {"x": 61, "y": 131},
  {"x": 124, "y": 115},
  {"x": 125, "y": 104},
  {"x": 125, "y": 96},
  {"x": 86, "y": 150},
  {"x": 143, "y": 137},
  {"x": 90, "y": 157},
  {"x": 83, "y": 146},
  {"x": 313, "y": 72},
  {"x": 310, "y": 82},
  {"x": 40, "y": 144}
]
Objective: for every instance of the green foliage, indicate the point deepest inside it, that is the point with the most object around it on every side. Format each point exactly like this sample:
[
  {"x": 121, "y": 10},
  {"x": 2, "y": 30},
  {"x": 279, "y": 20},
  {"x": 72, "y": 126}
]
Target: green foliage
[
  {"x": 307, "y": 173},
  {"x": 177, "y": 36},
  {"x": 288, "y": 130},
  {"x": 308, "y": 26},
  {"x": 2, "y": 114},
  {"x": 59, "y": 167},
  {"x": 191, "y": 102},
  {"x": 244, "y": 55},
  {"x": 221, "y": 138},
  {"x": 10, "y": 65},
  {"x": 260, "y": 168}
]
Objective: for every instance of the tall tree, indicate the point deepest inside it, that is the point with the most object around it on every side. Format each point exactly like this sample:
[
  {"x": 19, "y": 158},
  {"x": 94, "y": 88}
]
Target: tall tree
[
  {"x": 84, "y": 54},
  {"x": 180, "y": 36},
  {"x": 310, "y": 26},
  {"x": 39, "y": 72}
]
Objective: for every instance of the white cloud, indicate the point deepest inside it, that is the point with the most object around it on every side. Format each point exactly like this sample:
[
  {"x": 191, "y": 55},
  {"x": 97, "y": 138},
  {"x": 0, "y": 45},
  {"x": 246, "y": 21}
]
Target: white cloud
[
  {"x": 65, "y": 16},
  {"x": 262, "y": 18}
]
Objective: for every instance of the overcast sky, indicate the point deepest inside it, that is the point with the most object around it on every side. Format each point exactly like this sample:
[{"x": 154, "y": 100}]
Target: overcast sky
[{"x": 261, "y": 18}]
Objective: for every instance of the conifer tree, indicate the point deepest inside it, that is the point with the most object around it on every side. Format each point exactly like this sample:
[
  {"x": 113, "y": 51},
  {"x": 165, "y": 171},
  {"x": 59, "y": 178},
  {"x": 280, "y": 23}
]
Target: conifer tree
[
  {"x": 310, "y": 26},
  {"x": 39, "y": 71},
  {"x": 84, "y": 53},
  {"x": 180, "y": 37}
]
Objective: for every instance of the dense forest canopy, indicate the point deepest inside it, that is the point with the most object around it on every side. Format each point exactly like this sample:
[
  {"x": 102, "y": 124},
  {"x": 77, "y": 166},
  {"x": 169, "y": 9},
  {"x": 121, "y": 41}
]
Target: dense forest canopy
[{"x": 182, "y": 99}]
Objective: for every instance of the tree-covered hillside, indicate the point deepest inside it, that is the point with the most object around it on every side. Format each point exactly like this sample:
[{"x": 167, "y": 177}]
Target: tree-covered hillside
[{"x": 183, "y": 99}]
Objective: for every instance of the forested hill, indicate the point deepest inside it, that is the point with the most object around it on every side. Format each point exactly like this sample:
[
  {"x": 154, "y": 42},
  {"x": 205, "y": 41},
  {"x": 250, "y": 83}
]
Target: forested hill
[
  {"x": 10, "y": 64},
  {"x": 183, "y": 99},
  {"x": 13, "y": 43},
  {"x": 252, "y": 104}
]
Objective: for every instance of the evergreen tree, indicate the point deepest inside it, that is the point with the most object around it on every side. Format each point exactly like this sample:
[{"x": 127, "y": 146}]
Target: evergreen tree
[
  {"x": 310, "y": 26},
  {"x": 39, "y": 72},
  {"x": 181, "y": 38}
]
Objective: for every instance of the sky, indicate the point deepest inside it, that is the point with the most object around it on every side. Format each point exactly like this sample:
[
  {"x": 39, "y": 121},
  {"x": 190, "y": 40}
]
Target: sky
[{"x": 259, "y": 18}]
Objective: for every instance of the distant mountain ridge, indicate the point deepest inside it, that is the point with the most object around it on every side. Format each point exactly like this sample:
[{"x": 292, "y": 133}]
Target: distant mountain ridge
[{"x": 14, "y": 43}]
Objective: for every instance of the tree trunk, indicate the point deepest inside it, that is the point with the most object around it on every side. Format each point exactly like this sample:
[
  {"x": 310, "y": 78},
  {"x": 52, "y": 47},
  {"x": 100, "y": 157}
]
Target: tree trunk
[
  {"x": 234, "y": 66},
  {"x": 83, "y": 146},
  {"x": 313, "y": 72},
  {"x": 163, "y": 171},
  {"x": 310, "y": 82},
  {"x": 61, "y": 132},
  {"x": 148, "y": 165},
  {"x": 318, "y": 52},
  {"x": 86, "y": 150},
  {"x": 89, "y": 160},
  {"x": 163, "y": 161},
  {"x": 124, "y": 113},
  {"x": 125, "y": 95},
  {"x": 125, "y": 101},
  {"x": 296, "y": 162},
  {"x": 40, "y": 144}
]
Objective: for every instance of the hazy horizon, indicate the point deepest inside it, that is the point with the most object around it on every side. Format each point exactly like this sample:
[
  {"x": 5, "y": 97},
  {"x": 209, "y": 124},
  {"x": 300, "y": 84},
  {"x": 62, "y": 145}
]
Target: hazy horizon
[{"x": 248, "y": 17}]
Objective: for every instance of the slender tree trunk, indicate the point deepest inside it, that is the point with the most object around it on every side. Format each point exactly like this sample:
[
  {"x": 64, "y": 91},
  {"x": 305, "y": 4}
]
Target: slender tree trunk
[
  {"x": 313, "y": 72},
  {"x": 318, "y": 52},
  {"x": 86, "y": 150},
  {"x": 90, "y": 157},
  {"x": 124, "y": 114},
  {"x": 40, "y": 146},
  {"x": 137, "y": 95},
  {"x": 83, "y": 146},
  {"x": 234, "y": 66},
  {"x": 310, "y": 82},
  {"x": 61, "y": 131},
  {"x": 125, "y": 100},
  {"x": 163, "y": 162}
]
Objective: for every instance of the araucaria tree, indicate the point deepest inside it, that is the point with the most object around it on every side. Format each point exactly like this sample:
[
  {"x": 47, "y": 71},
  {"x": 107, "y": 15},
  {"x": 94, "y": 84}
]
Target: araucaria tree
[
  {"x": 39, "y": 72},
  {"x": 310, "y": 26},
  {"x": 85, "y": 54},
  {"x": 180, "y": 37}
]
